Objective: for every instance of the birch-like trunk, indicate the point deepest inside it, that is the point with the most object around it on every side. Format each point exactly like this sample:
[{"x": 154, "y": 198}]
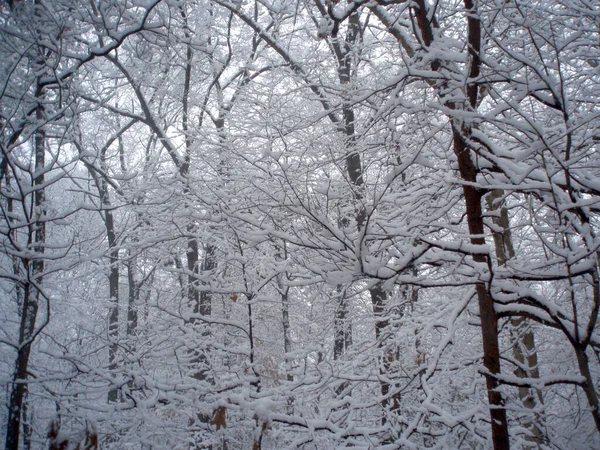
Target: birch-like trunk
[{"x": 524, "y": 349}]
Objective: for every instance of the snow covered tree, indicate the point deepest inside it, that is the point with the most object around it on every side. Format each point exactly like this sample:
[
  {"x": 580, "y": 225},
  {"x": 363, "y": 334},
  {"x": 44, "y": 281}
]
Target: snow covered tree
[{"x": 289, "y": 224}]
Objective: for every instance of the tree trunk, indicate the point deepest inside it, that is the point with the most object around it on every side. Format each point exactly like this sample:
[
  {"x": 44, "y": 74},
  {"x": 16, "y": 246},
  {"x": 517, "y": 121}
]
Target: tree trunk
[
  {"x": 113, "y": 314},
  {"x": 113, "y": 275},
  {"x": 134, "y": 296},
  {"x": 287, "y": 340},
  {"x": 489, "y": 319},
  {"x": 524, "y": 349},
  {"x": 31, "y": 294},
  {"x": 342, "y": 325},
  {"x": 588, "y": 386},
  {"x": 343, "y": 329},
  {"x": 473, "y": 196},
  {"x": 390, "y": 402},
  {"x": 200, "y": 302},
  {"x": 27, "y": 418}
]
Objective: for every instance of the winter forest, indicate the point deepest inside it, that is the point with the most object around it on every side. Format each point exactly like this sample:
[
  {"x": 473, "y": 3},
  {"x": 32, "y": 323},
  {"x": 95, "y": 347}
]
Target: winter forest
[{"x": 299, "y": 224}]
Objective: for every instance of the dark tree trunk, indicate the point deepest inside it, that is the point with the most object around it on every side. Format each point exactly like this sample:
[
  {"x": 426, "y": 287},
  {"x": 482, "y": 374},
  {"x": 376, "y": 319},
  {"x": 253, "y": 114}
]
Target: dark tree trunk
[
  {"x": 27, "y": 418},
  {"x": 489, "y": 319},
  {"x": 113, "y": 275},
  {"x": 473, "y": 197},
  {"x": 344, "y": 54},
  {"x": 588, "y": 386},
  {"x": 134, "y": 297},
  {"x": 31, "y": 294}
]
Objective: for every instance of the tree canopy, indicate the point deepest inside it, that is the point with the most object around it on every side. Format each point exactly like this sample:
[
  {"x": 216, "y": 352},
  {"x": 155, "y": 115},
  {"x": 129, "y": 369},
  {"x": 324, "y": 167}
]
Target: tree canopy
[{"x": 299, "y": 224}]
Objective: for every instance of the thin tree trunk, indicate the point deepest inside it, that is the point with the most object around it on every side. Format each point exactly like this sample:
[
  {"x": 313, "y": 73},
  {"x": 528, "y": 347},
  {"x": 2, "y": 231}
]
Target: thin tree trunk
[
  {"x": 524, "y": 349},
  {"x": 287, "y": 340},
  {"x": 134, "y": 296},
  {"x": 344, "y": 53},
  {"x": 197, "y": 300},
  {"x": 133, "y": 283},
  {"x": 113, "y": 250},
  {"x": 200, "y": 301},
  {"x": 342, "y": 325},
  {"x": 113, "y": 275},
  {"x": 31, "y": 294},
  {"x": 209, "y": 264},
  {"x": 390, "y": 400},
  {"x": 284, "y": 290},
  {"x": 113, "y": 314}
]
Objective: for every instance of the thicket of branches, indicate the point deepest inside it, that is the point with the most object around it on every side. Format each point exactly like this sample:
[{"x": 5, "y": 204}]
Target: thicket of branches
[{"x": 299, "y": 224}]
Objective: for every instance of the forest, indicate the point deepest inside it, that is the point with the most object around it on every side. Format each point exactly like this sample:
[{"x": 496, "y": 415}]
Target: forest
[{"x": 299, "y": 224}]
